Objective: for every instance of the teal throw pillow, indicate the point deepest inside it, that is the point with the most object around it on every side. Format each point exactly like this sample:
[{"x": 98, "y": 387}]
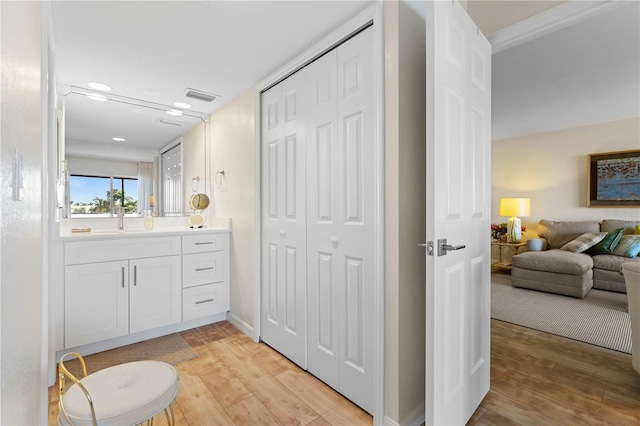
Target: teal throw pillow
[
  {"x": 608, "y": 243},
  {"x": 629, "y": 246},
  {"x": 583, "y": 242}
]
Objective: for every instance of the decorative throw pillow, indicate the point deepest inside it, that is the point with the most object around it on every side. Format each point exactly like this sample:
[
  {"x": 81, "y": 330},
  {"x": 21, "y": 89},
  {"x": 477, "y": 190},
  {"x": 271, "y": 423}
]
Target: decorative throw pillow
[
  {"x": 629, "y": 246},
  {"x": 637, "y": 230},
  {"x": 583, "y": 242},
  {"x": 608, "y": 243}
]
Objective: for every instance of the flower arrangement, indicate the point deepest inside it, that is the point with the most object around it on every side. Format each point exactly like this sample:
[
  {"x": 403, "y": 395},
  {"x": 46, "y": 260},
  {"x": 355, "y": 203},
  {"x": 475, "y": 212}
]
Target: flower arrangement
[{"x": 500, "y": 229}]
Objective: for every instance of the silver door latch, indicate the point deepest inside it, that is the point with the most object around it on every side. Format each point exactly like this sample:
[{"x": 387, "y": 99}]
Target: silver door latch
[
  {"x": 443, "y": 247},
  {"x": 428, "y": 246}
]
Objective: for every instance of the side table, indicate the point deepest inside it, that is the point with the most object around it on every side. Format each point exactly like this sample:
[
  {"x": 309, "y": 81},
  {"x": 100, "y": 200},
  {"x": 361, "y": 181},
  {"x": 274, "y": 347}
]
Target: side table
[{"x": 501, "y": 263}]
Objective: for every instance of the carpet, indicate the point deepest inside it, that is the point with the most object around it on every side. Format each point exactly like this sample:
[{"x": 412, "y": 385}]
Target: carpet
[
  {"x": 601, "y": 318},
  {"x": 172, "y": 349}
]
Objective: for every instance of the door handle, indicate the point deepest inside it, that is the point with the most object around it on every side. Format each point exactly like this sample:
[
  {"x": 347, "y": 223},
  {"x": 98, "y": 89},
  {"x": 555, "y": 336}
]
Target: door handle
[{"x": 443, "y": 247}]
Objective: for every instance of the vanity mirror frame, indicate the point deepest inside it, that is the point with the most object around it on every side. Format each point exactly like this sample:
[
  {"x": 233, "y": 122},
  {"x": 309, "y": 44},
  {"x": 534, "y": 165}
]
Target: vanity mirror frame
[{"x": 195, "y": 169}]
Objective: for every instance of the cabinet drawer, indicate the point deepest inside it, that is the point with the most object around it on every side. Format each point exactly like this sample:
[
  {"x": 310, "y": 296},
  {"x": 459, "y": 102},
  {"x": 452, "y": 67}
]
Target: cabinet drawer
[
  {"x": 120, "y": 249},
  {"x": 204, "y": 243},
  {"x": 204, "y": 300},
  {"x": 203, "y": 268}
]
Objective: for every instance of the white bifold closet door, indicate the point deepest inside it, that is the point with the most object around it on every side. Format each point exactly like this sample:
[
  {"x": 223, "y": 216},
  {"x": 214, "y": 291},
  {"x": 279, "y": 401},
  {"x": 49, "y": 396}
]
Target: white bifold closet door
[
  {"x": 283, "y": 312},
  {"x": 340, "y": 231},
  {"x": 324, "y": 275}
]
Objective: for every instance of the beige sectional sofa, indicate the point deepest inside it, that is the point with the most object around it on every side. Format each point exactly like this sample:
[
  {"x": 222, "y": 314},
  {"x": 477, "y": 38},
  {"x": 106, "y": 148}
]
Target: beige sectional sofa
[{"x": 571, "y": 274}]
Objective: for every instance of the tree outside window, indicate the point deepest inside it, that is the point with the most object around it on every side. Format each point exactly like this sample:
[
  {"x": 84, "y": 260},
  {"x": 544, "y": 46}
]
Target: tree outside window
[{"x": 87, "y": 194}]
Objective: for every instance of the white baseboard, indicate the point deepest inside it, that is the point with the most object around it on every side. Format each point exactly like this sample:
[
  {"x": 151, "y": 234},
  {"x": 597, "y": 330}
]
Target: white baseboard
[
  {"x": 239, "y": 324},
  {"x": 415, "y": 418}
]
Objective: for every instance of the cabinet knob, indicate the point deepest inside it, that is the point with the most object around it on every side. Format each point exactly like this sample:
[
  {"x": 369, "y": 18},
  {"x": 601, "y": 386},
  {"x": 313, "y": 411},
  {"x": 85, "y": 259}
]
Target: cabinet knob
[
  {"x": 283, "y": 233},
  {"x": 334, "y": 241}
]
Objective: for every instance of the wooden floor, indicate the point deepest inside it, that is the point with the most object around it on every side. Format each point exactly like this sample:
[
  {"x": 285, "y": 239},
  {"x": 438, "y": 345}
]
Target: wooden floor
[
  {"x": 235, "y": 381},
  {"x": 542, "y": 379},
  {"x": 536, "y": 379}
]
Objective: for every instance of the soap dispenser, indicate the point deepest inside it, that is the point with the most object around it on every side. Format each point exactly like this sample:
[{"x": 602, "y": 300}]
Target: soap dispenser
[{"x": 148, "y": 220}]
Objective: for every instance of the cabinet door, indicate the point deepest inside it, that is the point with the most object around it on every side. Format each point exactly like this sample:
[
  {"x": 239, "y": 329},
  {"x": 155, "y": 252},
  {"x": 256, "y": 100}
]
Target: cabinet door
[
  {"x": 96, "y": 302},
  {"x": 155, "y": 292}
]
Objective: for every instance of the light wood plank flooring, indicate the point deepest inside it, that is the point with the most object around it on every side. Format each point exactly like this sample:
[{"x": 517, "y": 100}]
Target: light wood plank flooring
[
  {"x": 235, "y": 381},
  {"x": 536, "y": 379},
  {"x": 542, "y": 379}
]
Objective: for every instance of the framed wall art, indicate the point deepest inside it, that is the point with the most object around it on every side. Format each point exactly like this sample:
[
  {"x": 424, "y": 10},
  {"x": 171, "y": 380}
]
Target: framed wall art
[{"x": 613, "y": 179}]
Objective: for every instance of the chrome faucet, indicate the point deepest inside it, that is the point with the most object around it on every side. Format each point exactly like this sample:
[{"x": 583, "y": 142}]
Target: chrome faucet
[{"x": 120, "y": 213}]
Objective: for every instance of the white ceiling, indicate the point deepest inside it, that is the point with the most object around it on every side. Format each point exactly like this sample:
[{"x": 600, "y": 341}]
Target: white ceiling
[
  {"x": 220, "y": 47},
  {"x": 584, "y": 74}
]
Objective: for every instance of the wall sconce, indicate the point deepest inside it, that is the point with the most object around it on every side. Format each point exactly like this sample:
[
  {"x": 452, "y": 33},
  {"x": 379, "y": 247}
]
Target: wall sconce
[{"x": 514, "y": 207}]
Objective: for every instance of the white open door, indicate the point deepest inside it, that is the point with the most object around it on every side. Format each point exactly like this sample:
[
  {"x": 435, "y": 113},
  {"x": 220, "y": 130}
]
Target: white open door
[{"x": 458, "y": 211}]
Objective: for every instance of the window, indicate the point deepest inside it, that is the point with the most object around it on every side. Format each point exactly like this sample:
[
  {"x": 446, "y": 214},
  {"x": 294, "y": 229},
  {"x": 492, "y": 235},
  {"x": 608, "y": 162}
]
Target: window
[
  {"x": 99, "y": 195},
  {"x": 172, "y": 181}
]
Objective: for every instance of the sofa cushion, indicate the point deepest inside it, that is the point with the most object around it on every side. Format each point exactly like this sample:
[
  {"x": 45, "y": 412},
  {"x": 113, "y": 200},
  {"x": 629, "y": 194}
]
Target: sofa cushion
[
  {"x": 629, "y": 246},
  {"x": 558, "y": 234},
  {"x": 629, "y": 226},
  {"x": 609, "y": 280},
  {"x": 555, "y": 260},
  {"x": 608, "y": 243},
  {"x": 608, "y": 262},
  {"x": 569, "y": 285},
  {"x": 583, "y": 242}
]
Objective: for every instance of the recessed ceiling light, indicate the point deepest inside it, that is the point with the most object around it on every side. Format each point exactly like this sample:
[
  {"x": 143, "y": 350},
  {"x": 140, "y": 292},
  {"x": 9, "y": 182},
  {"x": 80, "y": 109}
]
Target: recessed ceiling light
[
  {"x": 150, "y": 92},
  {"x": 119, "y": 139},
  {"x": 97, "y": 97},
  {"x": 99, "y": 86},
  {"x": 174, "y": 112},
  {"x": 182, "y": 105}
]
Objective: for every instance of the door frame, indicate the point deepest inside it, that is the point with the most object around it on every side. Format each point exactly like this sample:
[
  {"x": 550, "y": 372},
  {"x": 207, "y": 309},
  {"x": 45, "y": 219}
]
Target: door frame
[{"x": 373, "y": 15}]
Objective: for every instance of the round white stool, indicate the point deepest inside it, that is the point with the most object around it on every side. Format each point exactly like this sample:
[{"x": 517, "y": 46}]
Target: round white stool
[{"x": 125, "y": 394}]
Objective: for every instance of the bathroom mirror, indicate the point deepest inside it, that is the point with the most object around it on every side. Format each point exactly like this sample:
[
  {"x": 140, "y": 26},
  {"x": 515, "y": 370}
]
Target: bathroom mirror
[{"x": 98, "y": 163}]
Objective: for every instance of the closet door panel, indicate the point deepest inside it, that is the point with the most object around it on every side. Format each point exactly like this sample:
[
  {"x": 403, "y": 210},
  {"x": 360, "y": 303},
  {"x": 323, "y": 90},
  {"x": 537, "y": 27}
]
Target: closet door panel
[
  {"x": 283, "y": 223},
  {"x": 355, "y": 224},
  {"x": 322, "y": 210}
]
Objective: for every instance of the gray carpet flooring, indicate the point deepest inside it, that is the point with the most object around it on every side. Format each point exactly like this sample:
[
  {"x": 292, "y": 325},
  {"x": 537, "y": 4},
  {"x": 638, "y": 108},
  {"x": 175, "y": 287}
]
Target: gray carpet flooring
[{"x": 601, "y": 318}]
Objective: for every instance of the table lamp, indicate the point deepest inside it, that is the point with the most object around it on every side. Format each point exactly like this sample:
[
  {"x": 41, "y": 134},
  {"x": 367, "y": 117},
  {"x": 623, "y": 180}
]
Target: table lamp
[{"x": 514, "y": 207}]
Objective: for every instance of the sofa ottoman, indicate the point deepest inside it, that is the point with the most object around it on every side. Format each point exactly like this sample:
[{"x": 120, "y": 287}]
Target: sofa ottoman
[{"x": 553, "y": 271}]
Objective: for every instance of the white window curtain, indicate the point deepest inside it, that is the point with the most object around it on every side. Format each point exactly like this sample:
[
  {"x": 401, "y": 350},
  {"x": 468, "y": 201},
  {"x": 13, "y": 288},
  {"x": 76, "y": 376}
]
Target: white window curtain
[{"x": 145, "y": 186}]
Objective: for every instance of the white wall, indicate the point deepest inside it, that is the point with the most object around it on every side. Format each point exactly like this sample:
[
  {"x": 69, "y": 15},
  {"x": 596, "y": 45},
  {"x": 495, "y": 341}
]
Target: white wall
[
  {"x": 232, "y": 139},
  {"x": 405, "y": 135},
  {"x": 78, "y": 148},
  {"x": 23, "y": 340},
  {"x": 95, "y": 167},
  {"x": 551, "y": 169}
]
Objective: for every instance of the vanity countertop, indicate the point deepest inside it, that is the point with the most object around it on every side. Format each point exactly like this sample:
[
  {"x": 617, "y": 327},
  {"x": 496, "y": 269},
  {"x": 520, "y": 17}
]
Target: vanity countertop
[
  {"x": 134, "y": 228},
  {"x": 138, "y": 232}
]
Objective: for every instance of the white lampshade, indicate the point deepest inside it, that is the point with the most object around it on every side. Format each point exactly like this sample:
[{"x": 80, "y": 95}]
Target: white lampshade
[{"x": 515, "y": 207}]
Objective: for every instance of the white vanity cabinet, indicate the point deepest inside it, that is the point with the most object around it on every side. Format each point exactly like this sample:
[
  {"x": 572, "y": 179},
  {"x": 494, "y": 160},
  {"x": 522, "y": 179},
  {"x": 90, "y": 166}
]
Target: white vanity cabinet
[
  {"x": 121, "y": 289},
  {"x": 205, "y": 275},
  {"x": 136, "y": 288}
]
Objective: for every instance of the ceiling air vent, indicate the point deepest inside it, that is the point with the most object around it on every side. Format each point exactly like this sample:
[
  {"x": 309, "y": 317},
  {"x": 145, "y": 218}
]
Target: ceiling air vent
[
  {"x": 170, "y": 122},
  {"x": 200, "y": 95}
]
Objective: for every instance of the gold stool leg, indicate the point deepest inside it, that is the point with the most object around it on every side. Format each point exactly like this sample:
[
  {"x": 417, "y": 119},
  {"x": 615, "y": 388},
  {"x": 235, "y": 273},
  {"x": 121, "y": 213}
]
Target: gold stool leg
[{"x": 171, "y": 421}]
